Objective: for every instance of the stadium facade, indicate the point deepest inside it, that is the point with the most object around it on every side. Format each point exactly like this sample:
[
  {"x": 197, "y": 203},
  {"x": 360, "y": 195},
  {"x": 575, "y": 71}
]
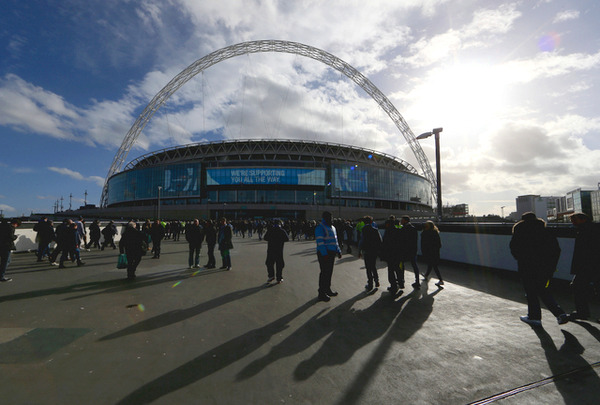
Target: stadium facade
[{"x": 267, "y": 178}]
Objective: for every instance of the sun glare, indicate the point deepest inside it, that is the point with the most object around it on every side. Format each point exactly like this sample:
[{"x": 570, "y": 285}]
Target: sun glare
[{"x": 464, "y": 96}]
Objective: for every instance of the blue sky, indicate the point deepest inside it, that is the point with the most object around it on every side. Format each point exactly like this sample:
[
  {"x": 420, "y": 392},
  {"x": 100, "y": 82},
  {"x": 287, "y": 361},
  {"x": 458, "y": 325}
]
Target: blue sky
[{"x": 514, "y": 84}]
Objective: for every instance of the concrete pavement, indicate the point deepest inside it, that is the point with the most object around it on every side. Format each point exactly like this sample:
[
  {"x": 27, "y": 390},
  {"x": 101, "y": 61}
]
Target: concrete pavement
[{"x": 175, "y": 335}]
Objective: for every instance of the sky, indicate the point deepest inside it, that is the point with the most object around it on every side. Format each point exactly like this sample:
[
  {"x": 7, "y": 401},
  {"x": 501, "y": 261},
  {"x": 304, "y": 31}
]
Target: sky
[{"x": 514, "y": 84}]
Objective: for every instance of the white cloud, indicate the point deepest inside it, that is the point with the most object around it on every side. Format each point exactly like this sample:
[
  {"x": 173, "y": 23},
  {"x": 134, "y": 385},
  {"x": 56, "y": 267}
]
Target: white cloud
[
  {"x": 486, "y": 27},
  {"x": 8, "y": 208},
  {"x": 566, "y": 15},
  {"x": 76, "y": 175},
  {"x": 33, "y": 109}
]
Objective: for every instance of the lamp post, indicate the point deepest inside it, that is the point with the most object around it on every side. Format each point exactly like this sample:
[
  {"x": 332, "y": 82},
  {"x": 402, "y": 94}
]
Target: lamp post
[
  {"x": 158, "y": 215},
  {"x": 438, "y": 173},
  {"x": 339, "y": 190}
]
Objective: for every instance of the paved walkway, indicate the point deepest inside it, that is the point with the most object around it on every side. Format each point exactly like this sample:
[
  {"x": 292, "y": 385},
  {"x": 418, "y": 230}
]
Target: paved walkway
[{"x": 85, "y": 335}]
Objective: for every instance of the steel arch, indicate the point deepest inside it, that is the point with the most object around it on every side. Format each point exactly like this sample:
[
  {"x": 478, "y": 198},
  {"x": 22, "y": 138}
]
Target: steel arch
[{"x": 261, "y": 46}]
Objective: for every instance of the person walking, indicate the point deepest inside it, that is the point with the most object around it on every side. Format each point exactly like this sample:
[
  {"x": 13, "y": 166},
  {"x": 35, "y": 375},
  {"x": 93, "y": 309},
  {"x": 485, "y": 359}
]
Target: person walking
[
  {"x": 210, "y": 234},
  {"x": 194, "y": 235},
  {"x": 430, "y": 248},
  {"x": 109, "y": 232},
  {"x": 536, "y": 251},
  {"x": 327, "y": 249},
  {"x": 62, "y": 241},
  {"x": 585, "y": 264},
  {"x": 225, "y": 243},
  {"x": 157, "y": 233},
  {"x": 408, "y": 248},
  {"x": 370, "y": 246},
  {"x": 81, "y": 232},
  {"x": 95, "y": 234},
  {"x": 45, "y": 235},
  {"x": 390, "y": 253},
  {"x": 276, "y": 237},
  {"x": 7, "y": 245},
  {"x": 132, "y": 244}
]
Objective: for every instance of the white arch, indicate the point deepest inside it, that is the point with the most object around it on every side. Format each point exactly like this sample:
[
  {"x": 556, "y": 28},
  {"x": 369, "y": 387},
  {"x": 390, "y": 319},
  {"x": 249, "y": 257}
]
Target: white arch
[{"x": 258, "y": 47}]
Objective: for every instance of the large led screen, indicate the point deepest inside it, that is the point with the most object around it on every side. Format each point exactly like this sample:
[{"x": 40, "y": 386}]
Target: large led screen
[{"x": 265, "y": 176}]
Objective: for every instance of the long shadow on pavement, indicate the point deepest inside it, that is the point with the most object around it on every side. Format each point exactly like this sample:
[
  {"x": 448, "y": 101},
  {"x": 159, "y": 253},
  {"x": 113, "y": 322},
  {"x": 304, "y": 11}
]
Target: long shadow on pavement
[
  {"x": 179, "y": 315},
  {"x": 99, "y": 287},
  {"x": 212, "y": 361},
  {"x": 568, "y": 360},
  {"x": 418, "y": 308}
]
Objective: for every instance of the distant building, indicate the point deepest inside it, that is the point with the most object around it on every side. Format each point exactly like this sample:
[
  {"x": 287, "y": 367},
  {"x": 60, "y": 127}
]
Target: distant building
[
  {"x": 456, "y": 211},
  {"x": 546, "y": 208},
  {"x": 595, "y": 197},
  {"x": 579, "y": 200}
]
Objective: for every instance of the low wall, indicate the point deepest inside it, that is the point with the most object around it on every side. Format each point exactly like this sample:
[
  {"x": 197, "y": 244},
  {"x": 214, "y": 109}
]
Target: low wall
[
  {"x": 485, "y": 246},
  {"x": 491, "y": 250}
]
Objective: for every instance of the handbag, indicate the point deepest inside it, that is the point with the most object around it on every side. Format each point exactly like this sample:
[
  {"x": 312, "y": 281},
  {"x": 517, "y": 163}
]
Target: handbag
[{"x": 122, "y": 261}]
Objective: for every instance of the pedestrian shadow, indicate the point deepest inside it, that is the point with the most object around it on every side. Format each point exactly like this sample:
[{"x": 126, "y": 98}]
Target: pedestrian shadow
[
  {"x": 212, "y": 361},
  {"x": 179, "y": 315},
  {"x": 569, "y": 368},
  {"x": 417, "y": 309},
  {"x": 97, "y": 287},
  {"x": 595, "y": 332},
  {"x": 349, "y": 330}
]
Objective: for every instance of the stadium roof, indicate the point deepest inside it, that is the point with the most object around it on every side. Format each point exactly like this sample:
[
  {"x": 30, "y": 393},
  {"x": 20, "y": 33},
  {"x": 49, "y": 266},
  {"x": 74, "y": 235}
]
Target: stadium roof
[{"x": 269, "y": 150}]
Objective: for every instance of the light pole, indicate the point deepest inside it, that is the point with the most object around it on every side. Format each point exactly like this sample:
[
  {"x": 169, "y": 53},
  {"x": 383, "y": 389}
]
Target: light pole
[
  {"x": 158, "y": 214},
  {"x": 438, "y": 173},
  {"x": 339, "y": 190}
]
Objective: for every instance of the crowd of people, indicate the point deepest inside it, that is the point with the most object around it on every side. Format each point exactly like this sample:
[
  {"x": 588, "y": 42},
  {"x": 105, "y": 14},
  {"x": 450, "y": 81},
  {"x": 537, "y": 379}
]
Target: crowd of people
[{"x": 534, "y": 246}]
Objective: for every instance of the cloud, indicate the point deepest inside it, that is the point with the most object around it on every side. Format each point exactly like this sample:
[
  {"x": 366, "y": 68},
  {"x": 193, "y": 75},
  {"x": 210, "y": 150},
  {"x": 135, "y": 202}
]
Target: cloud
[
  {"x": 23, "y": 170},
  {"x": 485, "y": 28},
  {"x": 8, "y": 208},
  {"x": 33, "y": 109},
  {"x": 566, "y": 16},
  {"x": 77, "y": 176}
]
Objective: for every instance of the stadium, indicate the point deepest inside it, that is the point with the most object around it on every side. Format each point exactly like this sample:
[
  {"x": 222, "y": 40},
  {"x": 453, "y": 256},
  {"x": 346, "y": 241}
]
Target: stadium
[{"x": 265, "y": 179}]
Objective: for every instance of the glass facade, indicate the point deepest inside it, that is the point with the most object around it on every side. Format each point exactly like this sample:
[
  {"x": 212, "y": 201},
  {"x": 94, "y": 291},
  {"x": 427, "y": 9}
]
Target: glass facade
[
  {"x": 379, "y": 183},
  {"x": 338, "y": 184},
  {"x": 179, "y": 181}
]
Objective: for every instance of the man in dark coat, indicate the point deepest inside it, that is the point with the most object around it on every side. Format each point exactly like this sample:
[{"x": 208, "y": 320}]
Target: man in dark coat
[
  {"x": 585, "y": 265},
  {"x": 94, "y": 235},
  {"x": 45, "y": 235},
  {"x": 132, "y": 243},
  {"x": 276, "y": 236},
  {"x": 62, "y": 241},
  {"x": 7, "y": 244},
  {"x": 370, "y": 245},
  {"x": 157, "y": 233},
  {"x": 210, "y": 235},
  {"x": 408, "y": 247},
  {"x": 109, "y": 233},
  {"x": 195, "y": 236},
  {"x": 390, "y": 252},
  {"x": 537, "y": 253}
]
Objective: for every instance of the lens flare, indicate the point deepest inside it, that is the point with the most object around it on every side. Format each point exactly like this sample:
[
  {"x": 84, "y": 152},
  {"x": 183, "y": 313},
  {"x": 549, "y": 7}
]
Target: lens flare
[{"x": 549, "y": 42}]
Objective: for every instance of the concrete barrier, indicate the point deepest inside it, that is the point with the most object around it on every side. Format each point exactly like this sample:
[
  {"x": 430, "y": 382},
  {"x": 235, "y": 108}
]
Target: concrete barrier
[{"x": 475, "y": 248}]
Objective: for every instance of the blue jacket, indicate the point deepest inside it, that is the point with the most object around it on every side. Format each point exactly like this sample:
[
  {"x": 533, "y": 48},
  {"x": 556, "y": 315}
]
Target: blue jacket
[{"x": 326, "y": 237}]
